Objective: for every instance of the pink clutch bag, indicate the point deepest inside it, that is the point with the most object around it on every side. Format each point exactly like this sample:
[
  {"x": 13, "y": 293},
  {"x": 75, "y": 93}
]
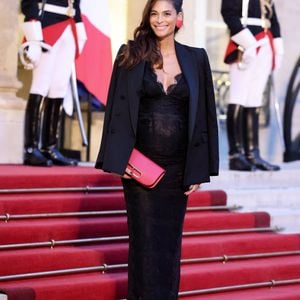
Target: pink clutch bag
[{"x": 144, "y": 170}]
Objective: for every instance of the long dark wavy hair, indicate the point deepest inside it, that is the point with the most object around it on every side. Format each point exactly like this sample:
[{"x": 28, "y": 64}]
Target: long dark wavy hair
[{"x": 144, "y": 43}]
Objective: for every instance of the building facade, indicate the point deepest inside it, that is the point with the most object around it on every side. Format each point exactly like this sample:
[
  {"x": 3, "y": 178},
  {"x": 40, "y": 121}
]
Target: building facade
[{"x": 203, "y": 27}]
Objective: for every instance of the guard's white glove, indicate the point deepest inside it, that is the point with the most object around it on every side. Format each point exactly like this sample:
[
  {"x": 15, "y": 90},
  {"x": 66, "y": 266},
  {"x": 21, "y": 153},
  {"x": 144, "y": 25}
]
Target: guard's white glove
[
  {"x": 28, "y": 58},
  {"x": 81, "y": 36},
  {"x": 279, "y": 52},
  {"x": 31, "y": 54},
  {"x": 248, "y": 45},
  {"x": 250, "y": 53}
]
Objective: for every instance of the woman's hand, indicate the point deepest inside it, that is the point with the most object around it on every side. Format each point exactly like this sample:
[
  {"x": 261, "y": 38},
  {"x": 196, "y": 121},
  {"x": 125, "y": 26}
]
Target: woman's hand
[
  {"x": 125, "y": 176},
  {"x": 192, "y": 189}
]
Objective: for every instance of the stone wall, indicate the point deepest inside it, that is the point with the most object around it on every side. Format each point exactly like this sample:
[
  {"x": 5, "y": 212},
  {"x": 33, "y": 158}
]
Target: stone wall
[{"x": 11, "y": 107}]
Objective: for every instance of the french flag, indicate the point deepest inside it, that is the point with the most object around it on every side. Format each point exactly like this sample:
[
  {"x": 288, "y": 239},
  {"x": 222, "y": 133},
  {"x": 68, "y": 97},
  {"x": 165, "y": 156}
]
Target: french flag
[{"x": 94, "y": 65}]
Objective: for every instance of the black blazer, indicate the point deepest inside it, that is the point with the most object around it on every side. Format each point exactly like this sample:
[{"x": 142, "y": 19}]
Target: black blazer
[{"x": 121, "y": 117}]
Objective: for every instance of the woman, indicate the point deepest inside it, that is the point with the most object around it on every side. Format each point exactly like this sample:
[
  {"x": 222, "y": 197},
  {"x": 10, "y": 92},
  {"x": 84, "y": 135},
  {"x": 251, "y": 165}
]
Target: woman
[{"x": 161, "y": 102}]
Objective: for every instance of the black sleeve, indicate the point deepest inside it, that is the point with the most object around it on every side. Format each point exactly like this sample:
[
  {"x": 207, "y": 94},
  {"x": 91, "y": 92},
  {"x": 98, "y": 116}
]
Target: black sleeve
[
  {"x": 30, "y": 9},
  {"x": 231, "y": 11},
  {"x": 275, "y": 27},
  {"x": 212, "y": 124},
  {"x": 108, "y": 109}
]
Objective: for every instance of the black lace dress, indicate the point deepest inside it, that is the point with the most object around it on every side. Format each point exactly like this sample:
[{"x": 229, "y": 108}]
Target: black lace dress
[{"x": 155, "y": 216}]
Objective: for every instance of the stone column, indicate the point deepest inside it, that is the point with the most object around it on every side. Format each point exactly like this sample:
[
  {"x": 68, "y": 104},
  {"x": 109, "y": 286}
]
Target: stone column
[
  {"x": 134, "y": 15},
  {"x": 11, "y": 107},
  {"x": 193, "y": 31}
]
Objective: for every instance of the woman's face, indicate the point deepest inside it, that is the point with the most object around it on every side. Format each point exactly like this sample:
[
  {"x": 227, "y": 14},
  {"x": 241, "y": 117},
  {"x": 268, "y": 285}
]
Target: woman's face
[{"x": 163, "y": 18}]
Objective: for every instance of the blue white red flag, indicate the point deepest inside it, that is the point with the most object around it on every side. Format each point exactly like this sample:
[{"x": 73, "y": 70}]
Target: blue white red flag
[{"x": 94, "y": 65}]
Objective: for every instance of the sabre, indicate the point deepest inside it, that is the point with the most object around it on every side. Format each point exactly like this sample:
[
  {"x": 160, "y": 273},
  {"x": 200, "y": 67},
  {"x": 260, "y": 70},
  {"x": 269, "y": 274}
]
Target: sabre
[
  {"x": 77, "y": 105},
  {"x": 277, "y": 110}
]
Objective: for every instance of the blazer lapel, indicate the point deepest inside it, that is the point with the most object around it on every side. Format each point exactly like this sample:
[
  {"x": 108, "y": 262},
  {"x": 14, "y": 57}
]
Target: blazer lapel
[
  {"x": 134, "y": 82},
  {"x": 191, "y": 74}
]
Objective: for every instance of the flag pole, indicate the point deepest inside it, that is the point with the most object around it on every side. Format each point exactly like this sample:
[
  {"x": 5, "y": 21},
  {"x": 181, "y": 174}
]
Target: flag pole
[{"x": 77, "y": 105}]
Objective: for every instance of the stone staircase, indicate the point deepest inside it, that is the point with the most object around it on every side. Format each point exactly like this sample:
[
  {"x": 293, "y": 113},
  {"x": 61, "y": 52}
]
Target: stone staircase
[
  {"x": 278, "y": 193},
  {"x": 63, "y": 236}
]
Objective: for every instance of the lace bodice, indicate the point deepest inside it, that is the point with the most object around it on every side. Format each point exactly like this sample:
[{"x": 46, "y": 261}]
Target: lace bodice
[{"x": 163, "y": 118}]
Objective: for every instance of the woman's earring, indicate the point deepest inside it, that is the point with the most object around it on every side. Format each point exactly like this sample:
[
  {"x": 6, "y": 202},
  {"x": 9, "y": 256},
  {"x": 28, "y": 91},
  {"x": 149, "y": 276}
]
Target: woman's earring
[{"x": 179, "y": 23}]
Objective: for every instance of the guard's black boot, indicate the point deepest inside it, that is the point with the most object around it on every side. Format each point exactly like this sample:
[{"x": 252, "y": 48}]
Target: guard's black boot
[
  {"x": 237, "y": 159},
  {"x": 32, "y": 154},
  {"x": 52, "y": 109},
  {"x": 251, "y": 134}
]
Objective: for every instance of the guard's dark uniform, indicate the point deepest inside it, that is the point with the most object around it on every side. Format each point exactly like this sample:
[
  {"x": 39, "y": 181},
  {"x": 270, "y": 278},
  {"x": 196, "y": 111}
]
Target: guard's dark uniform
[
  {"x": 232, "y": 14},
  {"x": 58, "y": 24},
  {"x": 31, "y": 11},
  {"x": 255, "y": 48},
  {"x": 70, "y": 13}
]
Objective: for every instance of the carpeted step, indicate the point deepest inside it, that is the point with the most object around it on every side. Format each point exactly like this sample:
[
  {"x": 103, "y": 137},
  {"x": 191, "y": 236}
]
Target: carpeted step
[
  {"x": 288, "y": 292},
  {"x": 80, "y": 201},
  {"x": 207, "y": 198},
  {"x": 193, "y": 277},
  {"x": 22, "y": 231},
  {"x": 61, "y": 229},
  {"x": 41, "y": 259},
  {"x": 234, "y": 244},
  {"x": 91, "y": 286},
  {"x": 23, "y": 261},
  {"x": 19, "y": 176},
  {"x": 225, "y": 220},
  {"x": 211, "y": 275},
  {"x": 60, "y": 202}
]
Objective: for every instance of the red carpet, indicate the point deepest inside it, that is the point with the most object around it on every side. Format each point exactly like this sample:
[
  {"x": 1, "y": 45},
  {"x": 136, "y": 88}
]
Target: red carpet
[
  {"x": 72, "y": 228},
  {"x": 14, "y": 176},
  {"x": 60, "y": 202},
  {"x": 203, "y": 276},
  {"x": 88, "y": 284},
  {"x": 291, "y": 292}
]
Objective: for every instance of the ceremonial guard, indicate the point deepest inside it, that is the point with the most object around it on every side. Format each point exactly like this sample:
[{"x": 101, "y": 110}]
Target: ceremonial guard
[
  {"x": 53, "y": 35},
  {"x": 254, "y": 50}
]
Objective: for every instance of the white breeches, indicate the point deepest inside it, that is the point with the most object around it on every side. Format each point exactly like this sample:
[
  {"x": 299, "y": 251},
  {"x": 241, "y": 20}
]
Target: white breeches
[
  {"x": 247, "y": 85},
  {"x": 52, "y": 75}
]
